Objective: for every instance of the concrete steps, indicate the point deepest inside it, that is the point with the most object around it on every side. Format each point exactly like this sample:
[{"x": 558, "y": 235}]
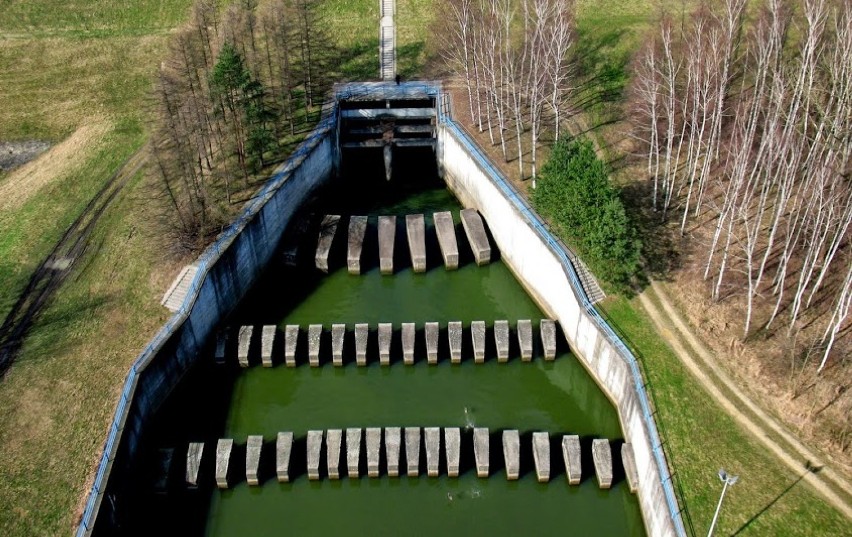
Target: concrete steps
[
  {"x": 387, "y": 40},
  {"x": 176, "y": 294}
]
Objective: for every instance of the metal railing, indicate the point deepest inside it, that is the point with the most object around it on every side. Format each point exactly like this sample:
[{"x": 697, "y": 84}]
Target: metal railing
[{"x": 561, "y": 252}]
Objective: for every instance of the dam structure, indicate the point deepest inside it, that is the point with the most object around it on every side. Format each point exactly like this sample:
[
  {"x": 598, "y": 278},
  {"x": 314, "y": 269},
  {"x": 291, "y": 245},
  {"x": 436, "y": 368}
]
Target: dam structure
[{"x": 419, "y": 342}]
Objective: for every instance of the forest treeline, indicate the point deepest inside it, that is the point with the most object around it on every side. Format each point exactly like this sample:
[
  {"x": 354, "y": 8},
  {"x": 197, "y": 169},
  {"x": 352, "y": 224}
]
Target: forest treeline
[
  {"x": 746, "y": 122},
  {"x": 239, "y": 85},
  {"x": 512, "y": 56}
]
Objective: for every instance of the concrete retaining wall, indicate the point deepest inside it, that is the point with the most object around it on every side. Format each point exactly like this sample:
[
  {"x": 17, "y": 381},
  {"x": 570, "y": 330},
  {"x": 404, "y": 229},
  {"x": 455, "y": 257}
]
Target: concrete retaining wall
[
  {"x": 226, "y": 272},
  {"x": 542, "y": 266}
]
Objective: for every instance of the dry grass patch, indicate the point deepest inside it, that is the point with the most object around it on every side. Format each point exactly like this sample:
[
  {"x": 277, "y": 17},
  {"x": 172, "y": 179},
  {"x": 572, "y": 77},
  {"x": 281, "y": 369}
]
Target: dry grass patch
[
  {"x": 27, "y": 180},
  {"x": 50, "y": 87},
  {"x": 60, "y": 395}
]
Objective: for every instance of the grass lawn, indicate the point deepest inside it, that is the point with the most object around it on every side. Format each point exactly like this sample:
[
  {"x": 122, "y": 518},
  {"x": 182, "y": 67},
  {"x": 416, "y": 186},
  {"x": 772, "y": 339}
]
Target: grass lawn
[
  {"x": 701, "y": 438},
  {"x": 87, "y": 18},
  {"x": 66, "y": 66}
]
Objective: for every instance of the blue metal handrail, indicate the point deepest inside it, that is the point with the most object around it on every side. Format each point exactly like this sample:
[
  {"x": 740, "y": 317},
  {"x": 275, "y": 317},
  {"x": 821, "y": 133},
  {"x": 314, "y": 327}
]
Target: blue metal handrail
[{"x": 559, "y": 250}]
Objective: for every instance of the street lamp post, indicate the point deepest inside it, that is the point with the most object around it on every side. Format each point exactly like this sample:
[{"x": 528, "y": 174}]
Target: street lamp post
[{"x": 727, "y": 479}]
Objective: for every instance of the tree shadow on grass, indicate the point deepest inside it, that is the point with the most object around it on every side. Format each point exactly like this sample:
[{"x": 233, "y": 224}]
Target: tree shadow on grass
[
  {"x": 660, "y": 252},
  {"x": 809, "y": 469},
  {"x": 50, "y": 329},
  {"x": 408, "y": 59},
  {"x": 601, "y": 66},
  {"x": 358, "y": 62}
]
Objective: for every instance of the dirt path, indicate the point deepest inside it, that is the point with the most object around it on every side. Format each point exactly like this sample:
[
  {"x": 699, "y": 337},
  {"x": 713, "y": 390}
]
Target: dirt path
[{"x": 700, "y": 361}]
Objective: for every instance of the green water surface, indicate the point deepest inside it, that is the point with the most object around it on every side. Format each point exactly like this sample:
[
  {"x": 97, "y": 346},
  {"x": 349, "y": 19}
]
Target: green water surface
[{"x": 558, "y": 397}]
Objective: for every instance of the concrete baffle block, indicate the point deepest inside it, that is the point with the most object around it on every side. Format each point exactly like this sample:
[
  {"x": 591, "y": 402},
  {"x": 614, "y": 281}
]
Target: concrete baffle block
[
  {"x": 385, "y": 334},
  {"x": 446, "y": 231},
  {"x": 433, "y": 450},
  {"x": 254, "y": 445},
  {"x": 477, "y": 335},
  {"x": 314, "y": 338},
  {"x": 548, "y": 338},
  {"x": 267, "y": 339},
  {"x": 602, "y": 457},
  {"x": 481, "y": 451},
  {"x": 571, "y": 457},
  {"x": 223, "y": 461},
  {"x": 501, "y": 340},
  {"x": 525, "y": 341},
  {"x": 338, "y": 333},
  {"x": 452, "y": 446},
  {"x": 353, "y": 452},
  {"x": 454, "y": 334},
  {"x": 408, "y": 332},
  {"x": 415, "y": 229},
  {"x": 193, "y": 463},
  {"x": 432, "y": 331},
  {"x": 314, "y": 446},
  {"x": 357, "y": 231},
  {"x": 387, "y": 235},
  {"x": 221, "y": 345},
  {"x": 243, "y": 344},
  {"x": 362, "y": 331},
  {"x": 283, "y": 449},
  {"x": 412, "y": 450},
  {"x": 291, "y": 337},
  {"x": 541, "y": 456},
  {"x": 333, "y": 441},
  {"x": 628, "y": 461},
  {"x": 512, "y": 454},
  {"x": 393, "y": 441},
  {"x": 374, "y": 446},
  {"x": 328, "y": 228},
  {"x": 476, "y": 236}
]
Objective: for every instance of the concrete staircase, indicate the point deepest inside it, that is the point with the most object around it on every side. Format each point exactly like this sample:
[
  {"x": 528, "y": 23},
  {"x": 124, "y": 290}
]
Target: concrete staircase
[
  {"x": 387, "y": 40},
  {"x": 176, "y": 294}
]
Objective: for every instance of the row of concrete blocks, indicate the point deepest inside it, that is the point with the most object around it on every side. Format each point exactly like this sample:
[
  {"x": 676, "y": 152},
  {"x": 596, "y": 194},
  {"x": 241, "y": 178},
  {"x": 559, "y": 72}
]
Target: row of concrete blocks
[
  {"x": 547, "y": 329},
  {"x": 415, "y": 230},
  {"x": 393, "y": 442}
]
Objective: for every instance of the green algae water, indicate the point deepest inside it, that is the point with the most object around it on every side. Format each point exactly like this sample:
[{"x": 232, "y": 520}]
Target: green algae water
[{"x": 558, "y": 397}]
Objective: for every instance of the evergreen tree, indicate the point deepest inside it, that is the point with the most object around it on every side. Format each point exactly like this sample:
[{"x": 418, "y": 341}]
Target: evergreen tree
[
  {"x": 575, "y": 193},
  {"x": 243, "y": 96}
]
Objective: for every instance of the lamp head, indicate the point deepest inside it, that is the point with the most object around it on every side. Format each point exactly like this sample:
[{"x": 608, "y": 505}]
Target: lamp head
[{"x": 727, "y": 478}]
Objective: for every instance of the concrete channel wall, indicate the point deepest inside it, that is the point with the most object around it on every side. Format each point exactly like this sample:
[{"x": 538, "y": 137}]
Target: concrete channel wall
[
  {"x": 542, "y": 266},
  {"x": 226, "y": 272}
]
